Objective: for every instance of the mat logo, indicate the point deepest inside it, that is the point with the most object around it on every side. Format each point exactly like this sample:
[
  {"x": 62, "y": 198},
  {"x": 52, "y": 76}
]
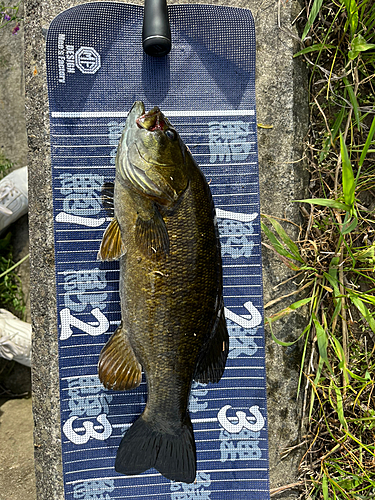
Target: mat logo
[
  {"x": 81, "y": 199},
  {"x": 87, "y": 60},
  {"x": 196, "y": 491},
  {"x": 230, "y": 141},
  {"x": 236, "y": 230},
  {"x": 93, "y": 490},
  {"x": 241, "y": 341},
  {"x": 239, "y": 435},
  {"x": 65, "y": 58},
  {"x": 114, "y": 133},
  {"x": 241, "y": 446},
  {"x": 84, "y": 287},
  {"x": 87, "y": 399},
  {"x": 198, "y": 389}
]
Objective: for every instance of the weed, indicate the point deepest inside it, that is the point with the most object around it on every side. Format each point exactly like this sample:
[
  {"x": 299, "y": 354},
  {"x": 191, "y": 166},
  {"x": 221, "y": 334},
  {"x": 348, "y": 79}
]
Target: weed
[
  {"x": 9, "y": 16},
  {"x": 334, "y": 258},
  {"x": 11, "y": 296},
  {"x": 5, "y": 165}
]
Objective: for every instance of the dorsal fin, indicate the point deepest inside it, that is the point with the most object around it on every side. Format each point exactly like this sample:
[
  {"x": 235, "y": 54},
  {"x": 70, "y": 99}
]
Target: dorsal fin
[
  {"x": 211, "y": 365},
  {"x": 107, "y": 195}
]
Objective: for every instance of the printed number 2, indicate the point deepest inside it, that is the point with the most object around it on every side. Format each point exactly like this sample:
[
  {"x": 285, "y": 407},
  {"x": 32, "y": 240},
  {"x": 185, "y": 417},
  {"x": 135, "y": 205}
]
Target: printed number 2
[{"x": 67, "y": 320}]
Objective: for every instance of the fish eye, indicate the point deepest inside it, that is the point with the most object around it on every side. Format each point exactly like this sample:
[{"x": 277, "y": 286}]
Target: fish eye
[{"x": 171, "y": 134}]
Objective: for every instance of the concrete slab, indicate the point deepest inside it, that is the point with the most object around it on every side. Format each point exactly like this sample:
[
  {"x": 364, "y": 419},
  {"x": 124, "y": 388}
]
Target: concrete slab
[
  {"x": 13, "y": 140},
  {"x": 282, "y": 103},
  {"x": 17, "y": 477}
]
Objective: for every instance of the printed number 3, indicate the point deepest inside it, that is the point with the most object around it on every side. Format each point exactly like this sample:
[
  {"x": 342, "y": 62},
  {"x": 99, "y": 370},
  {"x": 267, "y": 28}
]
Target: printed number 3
[
  {"x": 243, "y": 423},
  {"x": 76, "y": 438}
]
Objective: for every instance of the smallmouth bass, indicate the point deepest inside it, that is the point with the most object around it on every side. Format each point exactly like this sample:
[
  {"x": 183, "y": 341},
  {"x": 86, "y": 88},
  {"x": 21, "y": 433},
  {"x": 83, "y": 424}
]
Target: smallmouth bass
[{"x": 172, "y": 311}]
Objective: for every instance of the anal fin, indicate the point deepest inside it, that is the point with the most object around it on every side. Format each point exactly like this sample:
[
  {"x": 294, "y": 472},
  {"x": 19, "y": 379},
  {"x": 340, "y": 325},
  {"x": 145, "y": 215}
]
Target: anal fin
[
  {"x": 118, "y": 366},
  {"x": 211, "y": 365},
  {"x": 112, "y": 247}
]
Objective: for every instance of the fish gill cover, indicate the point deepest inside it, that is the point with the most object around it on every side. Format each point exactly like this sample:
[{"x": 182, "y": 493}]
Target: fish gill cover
[{"x": 205, "y": 87}]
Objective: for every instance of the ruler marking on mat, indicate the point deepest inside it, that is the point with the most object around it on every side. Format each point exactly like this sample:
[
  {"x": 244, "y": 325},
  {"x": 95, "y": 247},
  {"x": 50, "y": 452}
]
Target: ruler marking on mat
[{"x": 169, "y": 113}]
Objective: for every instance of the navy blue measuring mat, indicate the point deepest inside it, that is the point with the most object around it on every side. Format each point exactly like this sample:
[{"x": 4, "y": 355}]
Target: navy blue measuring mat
[{"x": 96, "y": 69}]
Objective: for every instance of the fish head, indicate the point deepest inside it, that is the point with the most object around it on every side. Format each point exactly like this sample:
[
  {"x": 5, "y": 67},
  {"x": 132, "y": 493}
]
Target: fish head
[{"x": 151, "y": 156}]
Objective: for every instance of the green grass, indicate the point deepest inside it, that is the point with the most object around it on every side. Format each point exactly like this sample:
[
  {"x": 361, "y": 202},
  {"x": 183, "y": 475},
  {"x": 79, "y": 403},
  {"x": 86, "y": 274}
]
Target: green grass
[
  {"x": 334, "y": 259},
  {"x": 11, "y": 296}
]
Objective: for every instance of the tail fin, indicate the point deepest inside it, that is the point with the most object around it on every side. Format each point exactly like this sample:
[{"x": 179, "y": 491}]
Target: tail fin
[{"x": 144, "y": 446}]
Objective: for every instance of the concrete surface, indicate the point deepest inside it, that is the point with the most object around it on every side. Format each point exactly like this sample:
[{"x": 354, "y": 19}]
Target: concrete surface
[
  {"x": 13, "y": 139},
  {"x": 281, "y": 102},
  {"x": 17, "y": 477}
]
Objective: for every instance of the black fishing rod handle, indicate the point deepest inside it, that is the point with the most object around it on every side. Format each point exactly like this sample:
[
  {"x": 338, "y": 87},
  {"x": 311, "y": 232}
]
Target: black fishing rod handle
[{"x": 156, "y": 34}]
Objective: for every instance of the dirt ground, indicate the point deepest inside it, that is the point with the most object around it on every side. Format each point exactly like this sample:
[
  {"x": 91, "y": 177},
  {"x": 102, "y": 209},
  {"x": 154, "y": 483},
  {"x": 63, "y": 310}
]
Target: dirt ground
[{"x": 17, "y": 477}]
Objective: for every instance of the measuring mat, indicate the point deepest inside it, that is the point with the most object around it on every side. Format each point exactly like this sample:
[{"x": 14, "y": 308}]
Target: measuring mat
[{"x": 96, "y": 69}]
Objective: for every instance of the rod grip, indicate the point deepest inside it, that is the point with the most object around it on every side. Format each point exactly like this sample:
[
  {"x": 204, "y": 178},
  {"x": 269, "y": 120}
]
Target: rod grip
[{"x": 156, "y": 33}]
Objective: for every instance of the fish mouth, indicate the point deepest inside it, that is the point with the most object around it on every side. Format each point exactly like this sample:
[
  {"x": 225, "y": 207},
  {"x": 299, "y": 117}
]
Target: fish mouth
[
  {"x": 135, "y": 163},
  {"x": 152, "y": 120},
  {"x": 136, "y": 111}
]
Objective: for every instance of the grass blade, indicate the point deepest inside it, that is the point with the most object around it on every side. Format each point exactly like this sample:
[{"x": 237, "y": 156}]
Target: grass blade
[
  {"x": 322, "y": 339},
  {"x": 277, "y": 245},
  {"x": 325, "y": 487},
  {"x": 314, "y": 385},
  {"x": 352, "y": 11},
  {"x": 288, "y": 310},
  {"x": 283, "y": 343},
  {"x": 353, "y": 100},
  {"x": 330, "y": 140},
  {"x": 313, "y": 48},
  {"x": 367, "y": 143},
  {"x": 325, "y": 203},
  {"x": 349, "y": 224},
  {"x": 312, "y": 16},
  {"x": 348, "y": 183},
  {"x": 339, "y": 405},
  {"x": 358, "y": 45},
  {"x": 363, "y": 310},
  {"x": 341, "y": 356},
  {"x": 301, "y": 373},
  {"x": 288, "y": 242}
]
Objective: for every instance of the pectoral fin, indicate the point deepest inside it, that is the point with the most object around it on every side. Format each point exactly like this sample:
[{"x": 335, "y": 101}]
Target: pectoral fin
[
  {"x": 118, "y": 366},
  {"x": 112, "y": 247},
  {"x": 211, "y": 365},
  {"x": 152, "y": 236}
]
